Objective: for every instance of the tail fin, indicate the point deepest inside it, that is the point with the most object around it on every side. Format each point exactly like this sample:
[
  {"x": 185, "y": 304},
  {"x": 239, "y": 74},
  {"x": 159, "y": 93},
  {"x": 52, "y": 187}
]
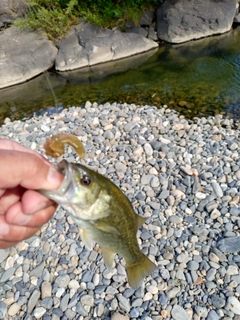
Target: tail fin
[{"x": 138, "y": 271}]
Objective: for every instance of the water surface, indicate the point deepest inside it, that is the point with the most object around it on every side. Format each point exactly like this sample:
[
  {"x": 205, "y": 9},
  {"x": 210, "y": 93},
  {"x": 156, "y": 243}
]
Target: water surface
[{"x": 197, "y": 78}]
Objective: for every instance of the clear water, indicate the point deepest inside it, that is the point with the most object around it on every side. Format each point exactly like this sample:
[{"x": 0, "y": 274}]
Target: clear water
[{"x": 198, "y": 78}]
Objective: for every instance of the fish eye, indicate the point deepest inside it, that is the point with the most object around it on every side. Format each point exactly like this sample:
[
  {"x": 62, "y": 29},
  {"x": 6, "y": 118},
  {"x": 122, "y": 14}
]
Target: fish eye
[{"x": 86, "y": 181}]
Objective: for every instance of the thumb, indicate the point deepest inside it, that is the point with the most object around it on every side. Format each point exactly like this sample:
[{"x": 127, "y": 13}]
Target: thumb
[{"x": 28, "y": 170}]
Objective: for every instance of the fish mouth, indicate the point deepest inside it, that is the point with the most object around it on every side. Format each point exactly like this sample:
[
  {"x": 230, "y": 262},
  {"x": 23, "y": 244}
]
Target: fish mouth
[
  {"x": 67, "y": 187},
  {"x": 64, "y": 193}
]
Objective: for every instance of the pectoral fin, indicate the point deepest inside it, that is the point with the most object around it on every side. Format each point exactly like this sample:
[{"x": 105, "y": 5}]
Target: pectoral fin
[
  {"x": 86, "y": 239},
  {"x": 108, "y": 257},
  {"x": 101, "y": 225}
]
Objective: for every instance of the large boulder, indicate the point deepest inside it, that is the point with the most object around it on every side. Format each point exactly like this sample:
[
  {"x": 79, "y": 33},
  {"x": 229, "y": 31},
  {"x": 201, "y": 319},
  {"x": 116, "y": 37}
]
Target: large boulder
[
  {"x": 10, "y": 10},
  {"x": 237, "y": 16},
  {"x": 87, "y": 44},
  {"x": 23, "y": 55},
  {"x": 183, "y": 20}
]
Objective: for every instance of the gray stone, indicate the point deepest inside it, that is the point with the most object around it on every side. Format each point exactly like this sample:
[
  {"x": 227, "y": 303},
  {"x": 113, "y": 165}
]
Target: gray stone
[
  {"x": 33, "y": 300},
  {"x": 80, "y": 310},
  {"x": 172, "y": 293},
  {"x": 3, "y": 310},
  {"x": 156, "y": 145},
  {"x": 233, "y": 305},
  {"x": 123, "y": 303},
  {"x": 163, "y": 299},
  {"x": 217, "y": 301},
  {"x": 178, "y": 313},
  {"x": 183, "y": 20},
  {"x": 154, "y": 182},
  {"x": 180, "y": 275},
  {"x": 231, "y": 244},
  {"x": 64, "y": 302},
  {"x": 24, "y": 55},
  {"x": 212, "y": 315},
  {"x": 10, "y": 10},
  {"x": 145, "y": 179},
  {"x": 129, "y": 126},
  {"x": 87, "y": 300},
  {"x": 201, "y": 311},
  {"x": 137, "y": 302},
  {"x": 45, "y": 128},
  {"x": 232, "y": 270},
  {"x": 182, "y": 258},
  {"x": 219, "y": 254},
  {"x": 37, "y": 272},
  {"x": 7, "y": 274},
  {"x": 210, "y": 276},
  {"x": 232, "y": 145},
  {"x": 47, "y": 303},
  {"x": 217, "y": 189},
  {"x": 193, "y": 265},
  {"x": 87, "y": 44},
  {"x": 120, "y": 316},
  {"x": 134, "y": 313},
  {"x": 138, "y": 30},
  {"x": 164, "y": 194},
  {"x": 3, "y": 254},
  {"x": 147, "y": 18},
  {"x": 152, "y": 34},
  {"x": 39, "y": 312},
  {"x": 62, "y": 281},
  {"x": 175, "y": 219}
]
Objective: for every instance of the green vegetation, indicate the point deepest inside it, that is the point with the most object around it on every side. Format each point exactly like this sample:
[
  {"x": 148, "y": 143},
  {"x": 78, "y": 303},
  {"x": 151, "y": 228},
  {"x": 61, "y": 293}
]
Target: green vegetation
[{"x": 55, "y": 17}]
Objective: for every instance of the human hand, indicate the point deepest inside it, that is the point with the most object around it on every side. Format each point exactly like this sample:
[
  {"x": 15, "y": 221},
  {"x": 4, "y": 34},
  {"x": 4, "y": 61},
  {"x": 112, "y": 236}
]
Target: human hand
[{"x": 22, "y": 209}]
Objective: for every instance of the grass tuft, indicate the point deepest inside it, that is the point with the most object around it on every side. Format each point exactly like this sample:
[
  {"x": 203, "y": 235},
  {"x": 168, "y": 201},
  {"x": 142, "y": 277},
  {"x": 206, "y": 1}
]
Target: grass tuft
[{"x": 55, "y": 17}]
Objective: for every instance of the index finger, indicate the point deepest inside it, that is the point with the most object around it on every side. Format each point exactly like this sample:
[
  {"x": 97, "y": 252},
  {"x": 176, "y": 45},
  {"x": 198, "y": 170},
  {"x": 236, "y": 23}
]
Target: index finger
[
  {"x": 7, "y": 144},
  {"x": 27, "y": 170}
]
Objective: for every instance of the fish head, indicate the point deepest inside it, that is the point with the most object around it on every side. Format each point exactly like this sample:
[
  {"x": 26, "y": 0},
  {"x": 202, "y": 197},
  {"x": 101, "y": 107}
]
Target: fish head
[{"x": 82, "y": 193}]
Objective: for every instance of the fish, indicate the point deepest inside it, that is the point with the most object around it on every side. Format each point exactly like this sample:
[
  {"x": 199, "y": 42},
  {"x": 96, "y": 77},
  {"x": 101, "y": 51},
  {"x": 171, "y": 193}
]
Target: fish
[{"x": 104, "y": 215}]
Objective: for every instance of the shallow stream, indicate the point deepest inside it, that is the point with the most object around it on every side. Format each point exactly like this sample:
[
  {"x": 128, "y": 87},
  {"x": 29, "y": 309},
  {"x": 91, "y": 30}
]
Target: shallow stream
[{"x": 197, "y": 78}]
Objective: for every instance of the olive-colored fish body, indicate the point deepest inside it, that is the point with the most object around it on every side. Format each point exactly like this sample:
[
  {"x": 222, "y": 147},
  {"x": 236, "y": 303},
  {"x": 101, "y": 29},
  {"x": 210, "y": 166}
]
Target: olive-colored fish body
[{"x": 105, "y": 215}]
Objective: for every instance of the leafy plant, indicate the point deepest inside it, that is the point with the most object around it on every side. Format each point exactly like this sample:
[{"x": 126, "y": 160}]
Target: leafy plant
[{"x": 55, "y": 17}]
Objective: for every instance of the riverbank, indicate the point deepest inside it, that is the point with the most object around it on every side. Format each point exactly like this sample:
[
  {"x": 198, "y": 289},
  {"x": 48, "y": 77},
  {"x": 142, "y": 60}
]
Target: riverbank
[{"x": 183, "y": 176}]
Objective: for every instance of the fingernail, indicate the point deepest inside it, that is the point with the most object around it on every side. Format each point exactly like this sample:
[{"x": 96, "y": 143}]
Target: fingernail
[
  {"x": 22, "y": 219},
  {"x": 4, "y": 229},
  {"x": 54, "y": 177}
]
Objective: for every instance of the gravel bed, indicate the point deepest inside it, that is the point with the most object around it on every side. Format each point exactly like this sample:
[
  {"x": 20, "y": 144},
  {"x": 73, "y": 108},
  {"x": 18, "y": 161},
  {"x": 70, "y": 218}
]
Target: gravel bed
[{"x": 182, "y": 175}]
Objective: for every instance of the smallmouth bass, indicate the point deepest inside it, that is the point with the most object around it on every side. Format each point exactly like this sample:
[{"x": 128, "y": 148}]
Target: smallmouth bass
[{"x": 105, "y": 215}]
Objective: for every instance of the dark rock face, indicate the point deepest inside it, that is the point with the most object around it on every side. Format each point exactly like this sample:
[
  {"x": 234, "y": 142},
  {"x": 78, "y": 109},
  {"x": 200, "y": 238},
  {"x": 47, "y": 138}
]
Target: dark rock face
[
  {"x": 10, "y": 10},
  {"x": 147, "y": 18},
  {"x": 183, "y": 20}
]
